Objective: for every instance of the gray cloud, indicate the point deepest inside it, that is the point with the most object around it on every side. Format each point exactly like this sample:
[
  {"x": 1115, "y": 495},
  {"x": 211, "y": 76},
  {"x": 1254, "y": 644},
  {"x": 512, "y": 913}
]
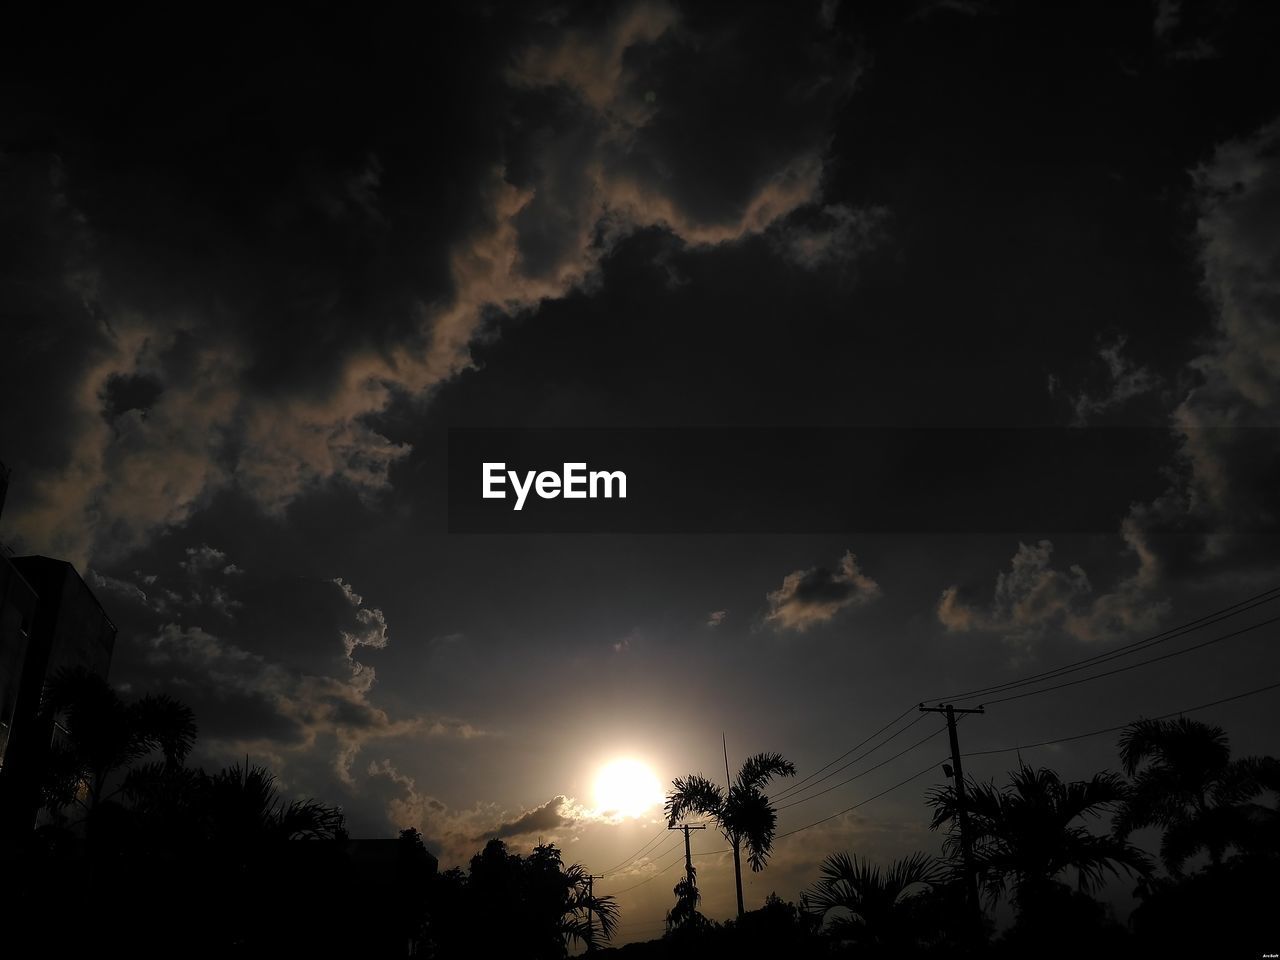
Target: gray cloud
[
  {"x": 814, "y": 596},
  {"x": 1033, "y": 596},
  {"x": 1228, "y": 423},
  {"x": 180, "y": 397},
  {"x": 1125, "y": 380},
  {"x": 319, "y": 696},
  {"x": 548, "y": 816}
]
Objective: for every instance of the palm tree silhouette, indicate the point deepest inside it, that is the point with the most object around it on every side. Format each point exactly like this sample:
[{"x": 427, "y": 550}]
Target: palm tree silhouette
[
  {"x": 244, "y": 809},
  {"x": 1026, "y": 834},
  {"x": 1184, "y": 780},
  {"x": 883, "y": 912},
  {"x": 585, "y": 911},
  {"x": 98, "y": 734},
  {"x": 743, "y": 813}
]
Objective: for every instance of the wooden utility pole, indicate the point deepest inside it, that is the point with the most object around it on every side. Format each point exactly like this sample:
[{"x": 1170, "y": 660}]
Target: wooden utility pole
[
  {"x": 966, "y": 841},
  {"x": 688, "y": 857},
  {"x": 591, "y": 930}
]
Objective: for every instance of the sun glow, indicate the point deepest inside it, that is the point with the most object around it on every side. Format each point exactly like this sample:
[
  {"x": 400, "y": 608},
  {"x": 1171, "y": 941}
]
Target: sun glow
[{"x": 627, "y": 788}]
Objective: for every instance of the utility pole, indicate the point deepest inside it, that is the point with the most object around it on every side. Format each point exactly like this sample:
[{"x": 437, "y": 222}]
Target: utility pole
[
  {"x": 966, "y": 841},
  {"x": 591, "y": 930},
  {"x": 688, "y": 857}
]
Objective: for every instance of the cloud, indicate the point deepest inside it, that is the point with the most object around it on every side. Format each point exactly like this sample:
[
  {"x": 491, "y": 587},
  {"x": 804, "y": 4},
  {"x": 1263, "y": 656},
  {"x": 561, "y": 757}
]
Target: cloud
[
  {"x": 190, "y": 376},
  {"x": 1228, "y": 423},
  {"x": 310, "y": 698},
  {"x": 1216, "y": 519},
  {"x": 373, "y": 624},
  {"x": 814, "y": 596},
  {"x": 540, "y": 819},
  {"x": 716, "y": 617},
  {"x": 830, "y": 235},
  {"x": 204, "y": 558},
  {"x": 1033, "y": 596},
  {"x": 458, "y": 833},
  {"x": 1125, "y": 380}
]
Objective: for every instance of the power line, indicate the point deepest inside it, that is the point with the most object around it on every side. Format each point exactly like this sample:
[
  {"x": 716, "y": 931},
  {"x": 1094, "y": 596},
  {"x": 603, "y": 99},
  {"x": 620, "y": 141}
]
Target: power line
[
  {"x": 1140, "y": 663},
  {"x": 1189, "y": 626},
  {"x": 1217, "y": 616},
  {"x": 1028, "y": 746},
  {"x": 876, "y": 796},
  {"x": 1098, "y": 733},
  {"x": 796, "y": 786},
  {"x": 846, "y": 766},
  {"x": 900, "y": 753},
  {"x": 973, "y": 753},
  {"x": 652, "y": 842},
  {"x": 652, "y": 877},
  {"x": 659, "y": 855}
]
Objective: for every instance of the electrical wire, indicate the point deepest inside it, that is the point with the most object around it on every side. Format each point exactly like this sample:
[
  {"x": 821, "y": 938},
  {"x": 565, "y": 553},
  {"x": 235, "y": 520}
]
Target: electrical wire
[
  {"x": 1098, "y": 733},
  {"x": 1217, "y": 616},
  {"x": 796, "y": 786},
  {"x": 1140, "y": 663},
  {"x": 652, "y": 842},
  {"x": 874, "y": 796},
  {"x": 655, "y": 876},
  {"x": 900, "y": 753}
]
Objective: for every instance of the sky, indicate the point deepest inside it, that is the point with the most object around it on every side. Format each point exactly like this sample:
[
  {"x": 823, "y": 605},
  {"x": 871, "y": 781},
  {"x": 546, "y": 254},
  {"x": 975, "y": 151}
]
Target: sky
[{"x": 255, "y": 269}]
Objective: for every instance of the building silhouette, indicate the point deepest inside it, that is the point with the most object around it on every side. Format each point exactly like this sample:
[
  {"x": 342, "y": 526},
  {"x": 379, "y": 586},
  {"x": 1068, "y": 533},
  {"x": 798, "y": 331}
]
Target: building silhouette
[{"x": 49, "y": 621}]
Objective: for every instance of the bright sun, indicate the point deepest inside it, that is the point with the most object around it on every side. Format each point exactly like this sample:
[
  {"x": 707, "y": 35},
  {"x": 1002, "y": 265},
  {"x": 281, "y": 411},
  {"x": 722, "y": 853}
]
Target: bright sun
[{"x": 627, "y": 788}]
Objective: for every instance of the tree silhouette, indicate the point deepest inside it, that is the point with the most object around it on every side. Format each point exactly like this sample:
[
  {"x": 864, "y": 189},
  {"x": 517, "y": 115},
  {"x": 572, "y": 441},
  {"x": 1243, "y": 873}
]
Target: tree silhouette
[
  {"x": 99, "y": 734},
  {"x": 884, "y": 913},
  {"x": 1184, "y": 781},
  {"x": 743, "y": 813},
  {"x": 1027, "y": 834},
  {"x": 509, "y": 905},
  {"x": 684, "y": 915},
  {"x": 244, "y": 809}
]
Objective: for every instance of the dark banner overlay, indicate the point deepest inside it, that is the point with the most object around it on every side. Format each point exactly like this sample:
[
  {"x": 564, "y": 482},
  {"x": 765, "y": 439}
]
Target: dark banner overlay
[{"x": 814, "y": 480}]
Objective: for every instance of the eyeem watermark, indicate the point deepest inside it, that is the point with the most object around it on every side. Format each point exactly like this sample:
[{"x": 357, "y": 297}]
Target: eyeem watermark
[{"x": 574, "y": 482}]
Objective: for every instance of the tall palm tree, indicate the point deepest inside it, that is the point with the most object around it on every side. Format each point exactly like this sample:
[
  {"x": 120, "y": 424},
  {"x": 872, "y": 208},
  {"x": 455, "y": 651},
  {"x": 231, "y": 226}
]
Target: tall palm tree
[
  {"x": 1025, "y": 835},
  {"x": 1184, "y": 780},
  {"x": 743, "y": 813},
  {"x": 880, "y": 911},
  {"x": 99, "y": 733}
]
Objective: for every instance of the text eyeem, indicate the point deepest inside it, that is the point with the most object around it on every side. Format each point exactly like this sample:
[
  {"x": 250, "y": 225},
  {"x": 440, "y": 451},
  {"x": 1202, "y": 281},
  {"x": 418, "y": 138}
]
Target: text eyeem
[{"x": 574, "y": 482}]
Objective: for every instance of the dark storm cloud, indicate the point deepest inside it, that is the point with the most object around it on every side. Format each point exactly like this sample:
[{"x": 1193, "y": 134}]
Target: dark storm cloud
[
  {"x": 270, "y": 248},
  {"x": 543, "y": 818},
  {"x": 1226, "y": 475},
  {"x": 814, "y": 596},
  {"x": 271, "y": 665}
]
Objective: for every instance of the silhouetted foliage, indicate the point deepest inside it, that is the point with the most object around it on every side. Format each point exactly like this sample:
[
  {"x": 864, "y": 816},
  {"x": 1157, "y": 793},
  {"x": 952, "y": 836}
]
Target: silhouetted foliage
[
  {"x": 1184, "y": 781},
  {"x": 100, "y": 734},
  {"x": 1222, "y": 910},
  {"x": 509, "y": 905},
  {"x": 221, "y": 865},
  {"x": 1025, "y": 835},
  {"x": 883, "y": 913},
  {"x": 684, "y": 914},
  {"x": 744, "y": 812}
]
